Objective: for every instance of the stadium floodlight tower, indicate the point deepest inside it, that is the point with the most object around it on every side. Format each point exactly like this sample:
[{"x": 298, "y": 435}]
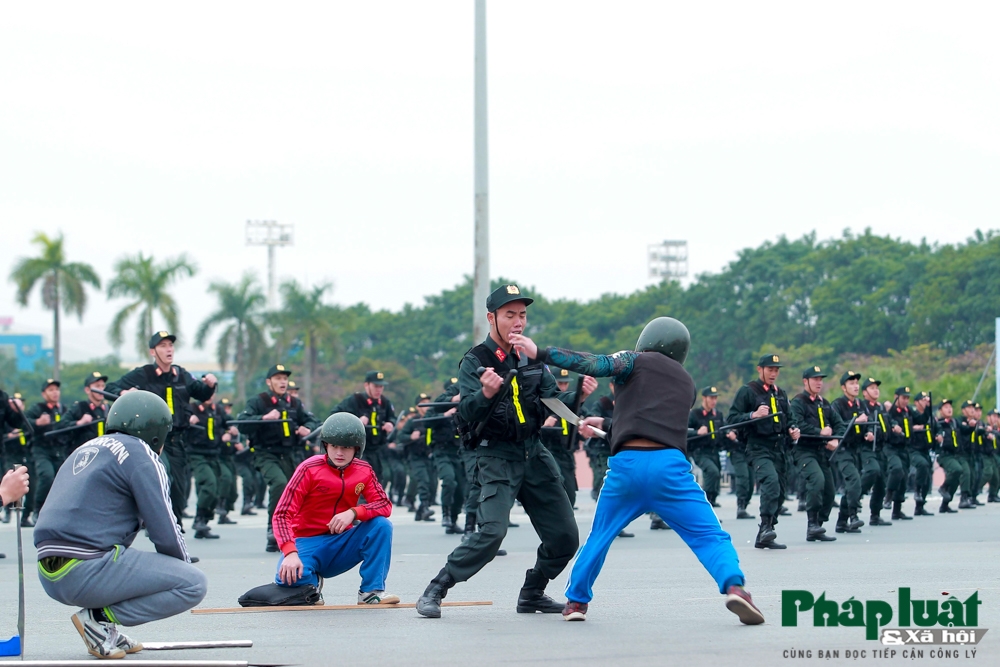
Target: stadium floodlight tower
[
  {"x": 272, "y": 234},
  {"x": 668, "y": 260}
]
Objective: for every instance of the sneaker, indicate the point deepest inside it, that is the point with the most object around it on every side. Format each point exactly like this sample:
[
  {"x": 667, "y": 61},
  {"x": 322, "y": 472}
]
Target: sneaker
[
  {"x": 126, "y": 643},
  {"x": 377, "y": 597},
  {"x": 574, "y": 611},
  {"x": 738, "y": 601},
  {"x": 100, "y": 638}
]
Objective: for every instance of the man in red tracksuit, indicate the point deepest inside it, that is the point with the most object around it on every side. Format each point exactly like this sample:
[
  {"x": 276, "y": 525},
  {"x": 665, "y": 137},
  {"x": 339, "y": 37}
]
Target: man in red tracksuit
[{"x": 315, "y": 546}]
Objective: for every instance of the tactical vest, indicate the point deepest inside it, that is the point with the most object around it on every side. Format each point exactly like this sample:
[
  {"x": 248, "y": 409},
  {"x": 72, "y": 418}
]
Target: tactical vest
[
  {"x": 175, "y": 393},
  {"x": 285, "y": 406},
  {"x": 376, "y": 413},
  {"x": 777, "y": 402},
  {"x": 519, "y": 415}
]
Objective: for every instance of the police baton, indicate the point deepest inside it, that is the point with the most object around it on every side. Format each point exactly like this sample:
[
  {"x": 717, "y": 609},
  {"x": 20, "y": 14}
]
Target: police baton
[
  {"x": 312, "y": 434},
  {"x": 72, "y": 428},
  {"x": 105, "y": 394}
]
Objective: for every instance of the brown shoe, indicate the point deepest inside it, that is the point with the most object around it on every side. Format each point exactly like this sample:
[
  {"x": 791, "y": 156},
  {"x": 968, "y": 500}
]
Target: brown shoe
[{"x": 738, "y": 601}]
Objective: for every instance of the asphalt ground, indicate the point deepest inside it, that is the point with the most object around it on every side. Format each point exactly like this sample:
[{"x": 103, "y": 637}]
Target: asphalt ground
[{"x": 654, "y": 603}]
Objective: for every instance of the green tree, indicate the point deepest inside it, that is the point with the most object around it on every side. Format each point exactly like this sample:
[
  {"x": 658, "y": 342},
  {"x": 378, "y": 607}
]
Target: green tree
[
  {"x": 241, "y": 312},
  {"x": 62, "y": 285},
  {"x": 144, "y": 281}
]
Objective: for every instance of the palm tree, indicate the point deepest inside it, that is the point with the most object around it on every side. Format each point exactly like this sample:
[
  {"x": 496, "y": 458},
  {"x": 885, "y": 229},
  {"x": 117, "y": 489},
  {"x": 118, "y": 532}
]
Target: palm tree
[
  {"x": 62, "y": 284},
  {"x": 305, "y": 317},
  {"x": 241, "y": 310},
  {"x": 145, "y": 281}
]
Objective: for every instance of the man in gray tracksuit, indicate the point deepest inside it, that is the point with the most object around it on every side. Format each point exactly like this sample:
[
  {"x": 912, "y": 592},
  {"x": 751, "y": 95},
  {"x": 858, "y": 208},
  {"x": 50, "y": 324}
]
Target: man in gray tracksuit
[{"x": 112, "y": 487}]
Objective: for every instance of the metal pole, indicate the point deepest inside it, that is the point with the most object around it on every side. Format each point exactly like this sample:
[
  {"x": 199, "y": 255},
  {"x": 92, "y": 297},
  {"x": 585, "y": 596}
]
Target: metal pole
[{"x": 481, "y": 274}]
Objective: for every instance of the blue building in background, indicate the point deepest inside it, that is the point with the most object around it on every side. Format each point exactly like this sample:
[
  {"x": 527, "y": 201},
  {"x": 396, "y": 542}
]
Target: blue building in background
[{"x": 26, "y": 349}]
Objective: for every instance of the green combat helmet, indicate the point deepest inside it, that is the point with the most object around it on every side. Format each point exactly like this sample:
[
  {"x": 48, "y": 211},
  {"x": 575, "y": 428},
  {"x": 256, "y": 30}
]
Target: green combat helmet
[
  {"x": 142, "y": 414},
  {"x": 342, "y": 429},
  {"x": 666, "y": 336}
]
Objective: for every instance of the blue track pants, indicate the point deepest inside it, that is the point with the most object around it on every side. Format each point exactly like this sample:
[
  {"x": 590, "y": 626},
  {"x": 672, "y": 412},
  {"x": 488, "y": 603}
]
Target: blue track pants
[
  {"x": 368, "y": 543},
  {"x": 658, "y": 481}
]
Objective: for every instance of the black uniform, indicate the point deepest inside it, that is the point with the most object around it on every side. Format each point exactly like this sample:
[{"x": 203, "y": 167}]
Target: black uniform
[
  {"x": 811, "y": 415},
  {"x": 47, "y": 451},
  {"x": 873, "y": 464},
  {"x": 448, "y": 465},
  {"x": 765, "y": 440},
  {"x": 418, "y": 458},
  {"x": 704, "y": 449},
  {"x": 78, "y": 436},
  {"x": 557, "y": 440},
  {"x": 177, "y": 387},
  {"x": 511, "y": 463},
  {"x": 273, "y": 443},
  {"x": 379, "y": 412},
  {"x": 922, "y": 443},
  {"x": 205, "y": 450},
  {"x": 599, "y": 449},
  {"x": 949, "y": 458},
  {"x": 847, "y": 459},
  {"x": 16, "y": 448},
  {"x": 897, "y": 455}
]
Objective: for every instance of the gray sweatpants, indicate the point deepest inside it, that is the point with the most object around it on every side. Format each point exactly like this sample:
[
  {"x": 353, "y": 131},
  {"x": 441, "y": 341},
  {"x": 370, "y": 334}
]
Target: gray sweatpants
[{"x": 135, "y": 586}]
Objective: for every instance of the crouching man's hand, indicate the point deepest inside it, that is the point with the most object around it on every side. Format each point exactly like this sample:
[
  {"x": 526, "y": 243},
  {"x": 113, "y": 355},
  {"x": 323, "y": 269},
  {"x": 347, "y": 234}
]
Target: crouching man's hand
[
  {"x": 291, "y": 569},
  {"x": 341, "y": 522}
]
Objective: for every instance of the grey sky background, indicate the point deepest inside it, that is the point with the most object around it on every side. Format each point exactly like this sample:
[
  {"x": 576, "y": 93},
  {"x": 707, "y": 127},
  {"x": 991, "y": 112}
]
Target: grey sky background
[{"x": 135, "y": 127}]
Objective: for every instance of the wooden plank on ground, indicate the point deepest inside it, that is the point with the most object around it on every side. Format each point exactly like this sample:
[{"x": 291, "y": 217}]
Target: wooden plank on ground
[{"x": 333, "y": 607}]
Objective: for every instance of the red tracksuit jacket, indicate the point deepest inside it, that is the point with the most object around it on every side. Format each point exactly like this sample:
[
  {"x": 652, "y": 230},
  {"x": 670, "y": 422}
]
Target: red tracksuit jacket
[{"x": 317, "y": 491}]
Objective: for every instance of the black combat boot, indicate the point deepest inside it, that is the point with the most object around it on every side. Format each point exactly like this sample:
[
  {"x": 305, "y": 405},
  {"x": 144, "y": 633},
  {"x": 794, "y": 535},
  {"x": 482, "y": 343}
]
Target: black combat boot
[
  {"x": 26, "y": 521},
  {"x": 975, "y": 501},
  {"x": 423, "y": 514},
  {"x": 854, "y": 523},
  {"x": 897, "y": 512},
  {"x": 453, "y": 529},
  {"x": 783, "y": 511},
  {"x": 272, "y": 544},
  {"x": 6, "y": 515},
  {"x": 224, "y": 518},
  {"x": 429, "y": 604},
  {"x": 713, "y": 503},
  {"x": 447, "y": 524},
  {"x": 815, "y": 532},
  {"x": 920, "y": 511},
  {"x": 876, "y": 520},
  {"x": 741, "y": 512},
  {"x": 766, "y": 534},
  {"x": 201, "y": 529},
  {"x": 802, "y": 505},
  {"x": 532, "y": 597},
  {"x": 248, "y": 510},
  {"x": 658, "y": 523},
  {"x": 843, "y": 526},
  {"x": 964, "y": 503}
]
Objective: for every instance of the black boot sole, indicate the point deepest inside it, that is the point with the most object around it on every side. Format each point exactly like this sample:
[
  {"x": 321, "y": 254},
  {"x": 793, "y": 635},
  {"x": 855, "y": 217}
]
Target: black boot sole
[{"x": 428, "y": 609}]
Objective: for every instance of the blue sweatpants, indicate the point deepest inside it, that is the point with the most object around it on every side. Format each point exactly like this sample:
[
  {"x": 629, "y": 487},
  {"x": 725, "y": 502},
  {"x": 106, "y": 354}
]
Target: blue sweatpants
[
  {"x": 658, "y": 481},
  {"x": 368, "y": 543}
]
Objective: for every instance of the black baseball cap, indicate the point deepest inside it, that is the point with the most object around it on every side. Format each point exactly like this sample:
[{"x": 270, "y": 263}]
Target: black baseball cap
[
  {"x": 49, "y": 382},
  {"x": 278, "y": 369},
  {"x": 921, "y": 395},
  {"x": 710, "y": 391},
  {"x": 422, "y": 398},
  {"x": 770, "y": 360},
  {"x": 375, "y": 377},
  {"x": 869, "y": 382},
  {"x": 292, "y": 385},
  {"x": 848, "y": 376},
  {"x": 225, "y": 401},
  {"x": 902, "y": 391},
  {"x": 449, "y": 383},
  {"x": 155, "y": 339},
  {"x": 562, "y": 375},
  {"x": 968, "y": 404},
  {"x": 94, "y": 377},
  {"x": 944, "y": 401},
  {"x": 813, "y": 372},
  {"x": 504, "y": 295}
]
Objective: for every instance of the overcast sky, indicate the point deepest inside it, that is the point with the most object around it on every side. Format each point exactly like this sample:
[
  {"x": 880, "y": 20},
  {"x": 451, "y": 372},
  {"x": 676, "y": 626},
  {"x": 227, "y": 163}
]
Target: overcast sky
[{"x": 163, "y": 128}]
